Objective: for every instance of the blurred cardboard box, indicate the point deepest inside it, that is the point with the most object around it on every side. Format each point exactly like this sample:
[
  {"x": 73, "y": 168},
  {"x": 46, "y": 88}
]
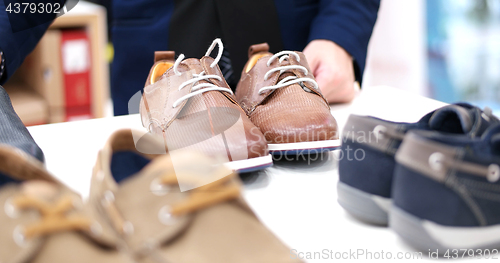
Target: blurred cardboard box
[
  {"x": 42, "y": 69},
  {"x": 59, "y": 70},
  {"x": 68, "y": 68},
  {"x": 29, "y": 106}
]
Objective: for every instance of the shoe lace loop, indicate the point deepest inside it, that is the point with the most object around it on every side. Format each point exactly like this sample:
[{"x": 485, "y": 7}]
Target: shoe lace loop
[
  {"x": 207, "y": 195},
  {"x": 287, "y": 81},
  {"x": 222, "y": 190},
  {"x": 54, "y": 216},
  {"x": 203, "y": 87}
]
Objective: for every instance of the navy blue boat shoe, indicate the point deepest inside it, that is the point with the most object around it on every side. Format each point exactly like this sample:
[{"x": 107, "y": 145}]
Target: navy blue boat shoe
[
  {"x": 368, "y": 148},
  {"x": 446, "y": 192}
]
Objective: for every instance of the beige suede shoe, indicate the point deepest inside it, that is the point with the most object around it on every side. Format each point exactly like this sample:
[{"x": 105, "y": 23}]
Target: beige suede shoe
[
  {"x": 44, "y": 221},
  {"x": 160, "y": 222}
]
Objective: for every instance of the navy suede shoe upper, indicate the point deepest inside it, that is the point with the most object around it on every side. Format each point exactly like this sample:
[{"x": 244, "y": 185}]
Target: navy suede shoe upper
[
  {"x": 452, "y": 180},
  {"x": 369, "y": 144}
]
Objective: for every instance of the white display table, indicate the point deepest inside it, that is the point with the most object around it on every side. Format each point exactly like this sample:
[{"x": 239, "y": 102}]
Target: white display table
[{"x": 297, "y": 200}]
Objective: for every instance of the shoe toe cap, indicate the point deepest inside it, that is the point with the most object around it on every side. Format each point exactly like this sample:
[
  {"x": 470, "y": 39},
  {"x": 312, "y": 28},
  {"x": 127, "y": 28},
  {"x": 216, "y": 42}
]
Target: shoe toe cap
[{"x": 308, "y": 127}]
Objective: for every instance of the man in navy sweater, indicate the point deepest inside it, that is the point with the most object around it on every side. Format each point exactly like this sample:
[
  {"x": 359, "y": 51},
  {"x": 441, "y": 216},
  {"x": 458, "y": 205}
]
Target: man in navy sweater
[{"x": 333, "y": 35}]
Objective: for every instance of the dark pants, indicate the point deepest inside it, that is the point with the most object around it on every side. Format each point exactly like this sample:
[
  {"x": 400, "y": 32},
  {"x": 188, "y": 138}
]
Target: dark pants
[{"x": 12, "y": 130}]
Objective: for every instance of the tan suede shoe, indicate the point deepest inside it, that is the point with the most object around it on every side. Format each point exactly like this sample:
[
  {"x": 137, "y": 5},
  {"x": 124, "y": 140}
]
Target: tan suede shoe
[
  {"x": 159, "y": 222},
  {"x": 189, "y": 103},
  {"x": 44, "y": 221},
  {"x": 281, "y": 97}
]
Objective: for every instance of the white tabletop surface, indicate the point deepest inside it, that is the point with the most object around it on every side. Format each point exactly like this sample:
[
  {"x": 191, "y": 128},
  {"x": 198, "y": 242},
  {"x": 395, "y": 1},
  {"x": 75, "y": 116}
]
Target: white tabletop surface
[{"x": 297, "y": 200}]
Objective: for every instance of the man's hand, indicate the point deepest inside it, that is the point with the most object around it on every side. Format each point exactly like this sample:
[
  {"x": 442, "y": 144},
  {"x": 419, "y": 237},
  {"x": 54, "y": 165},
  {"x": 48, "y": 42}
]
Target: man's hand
[{"x": 333, "y": 69}]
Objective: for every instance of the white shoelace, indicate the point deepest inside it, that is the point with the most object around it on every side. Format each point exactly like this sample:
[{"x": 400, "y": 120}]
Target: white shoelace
[
  {"x": 290, "y": 79},
  {"x": 203, "y": 87}
]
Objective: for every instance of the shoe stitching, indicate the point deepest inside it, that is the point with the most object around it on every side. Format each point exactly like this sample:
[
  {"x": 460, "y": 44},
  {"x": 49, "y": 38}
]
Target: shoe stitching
[
  {"x": 480, "y": 185},
  {"x": 485, "y": 195},
  {"x": 452, "y": 183}
]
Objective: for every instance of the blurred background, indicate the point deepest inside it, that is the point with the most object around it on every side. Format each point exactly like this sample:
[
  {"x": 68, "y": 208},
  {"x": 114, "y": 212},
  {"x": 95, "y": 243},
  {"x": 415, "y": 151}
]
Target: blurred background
[{"x": 448, "y": 50}]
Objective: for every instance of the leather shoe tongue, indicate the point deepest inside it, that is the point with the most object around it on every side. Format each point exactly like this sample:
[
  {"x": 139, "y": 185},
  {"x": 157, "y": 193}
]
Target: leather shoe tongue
[
  {"x": 452, "y": 119},
  {"x": 284, "y": 75},
  {"x": 194, "y": 65}
]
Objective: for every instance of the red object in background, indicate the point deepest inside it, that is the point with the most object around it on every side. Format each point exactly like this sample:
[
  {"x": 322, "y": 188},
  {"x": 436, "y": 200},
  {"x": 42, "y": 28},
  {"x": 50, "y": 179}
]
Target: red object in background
[{"x": 76, "y": 65}]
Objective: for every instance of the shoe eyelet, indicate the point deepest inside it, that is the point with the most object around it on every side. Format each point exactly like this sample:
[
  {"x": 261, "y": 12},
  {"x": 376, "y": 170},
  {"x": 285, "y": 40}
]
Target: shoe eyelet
[
  {"x": 108, "y": 198},
  {"x": 10, "y": 209},
  {"x": 19, "y": 237},
  {"x": 493, "y": 173},
  {"x": 487, "y": 113},
  {"x": 149, "y": 245},
  {"x": 304, "y": 87},
  {"x": 485, "y": 117},
  {"x": 96, "y": 229},
  {"x": 100, "y": 176},
  {"x": 159, "y": 189},
  {"x": 379, "y": 131},
  {"x": 436, "y": 161},
  {"x": 128, "y": 228},
  {"x": 165, "y": 216}
]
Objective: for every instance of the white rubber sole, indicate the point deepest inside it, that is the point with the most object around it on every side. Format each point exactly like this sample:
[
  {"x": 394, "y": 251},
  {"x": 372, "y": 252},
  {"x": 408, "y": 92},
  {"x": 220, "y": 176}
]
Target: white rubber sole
[
  {"x": 304, "y": 146},
  {"x": 250, "y": 165},
  {"x": 425, "y": 235},
  {"x": 464, "y": 237},
  {"x": 366, "y": 207}
]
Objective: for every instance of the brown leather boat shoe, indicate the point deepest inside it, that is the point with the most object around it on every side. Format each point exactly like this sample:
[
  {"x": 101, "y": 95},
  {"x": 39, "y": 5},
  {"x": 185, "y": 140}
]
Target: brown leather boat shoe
[
  {"x": 281, "y": 97},
  {"x": 189, "y": 103}
]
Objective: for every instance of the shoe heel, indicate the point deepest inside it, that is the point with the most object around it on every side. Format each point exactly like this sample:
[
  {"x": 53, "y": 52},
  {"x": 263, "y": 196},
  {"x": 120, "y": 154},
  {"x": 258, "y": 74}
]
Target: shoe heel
[{"x": 361, "y": 205}]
